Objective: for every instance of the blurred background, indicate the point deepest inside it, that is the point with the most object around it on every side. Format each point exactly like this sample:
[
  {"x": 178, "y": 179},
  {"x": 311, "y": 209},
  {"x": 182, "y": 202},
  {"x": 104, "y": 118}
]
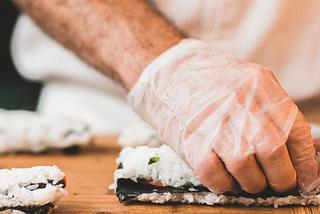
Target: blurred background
[
  {"x": 15, "y": 92},
  {"x": 18, "y": 93}
]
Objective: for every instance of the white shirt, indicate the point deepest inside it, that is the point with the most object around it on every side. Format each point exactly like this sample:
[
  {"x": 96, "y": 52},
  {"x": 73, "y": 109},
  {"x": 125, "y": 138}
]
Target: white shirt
[{"x": 282, "y": 35}]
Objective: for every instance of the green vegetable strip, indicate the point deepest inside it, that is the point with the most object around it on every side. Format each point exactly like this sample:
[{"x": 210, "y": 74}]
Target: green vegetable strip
[{"x": 153, "y": 160}]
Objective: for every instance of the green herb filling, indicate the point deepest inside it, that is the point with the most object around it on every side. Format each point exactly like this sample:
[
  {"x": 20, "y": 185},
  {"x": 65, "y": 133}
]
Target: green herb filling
[{"x": 153, "y": 160}]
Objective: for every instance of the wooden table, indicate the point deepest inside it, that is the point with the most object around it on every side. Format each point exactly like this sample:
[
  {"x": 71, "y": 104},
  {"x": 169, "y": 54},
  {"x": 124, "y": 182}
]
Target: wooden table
[{"x": 90, "y": 172}]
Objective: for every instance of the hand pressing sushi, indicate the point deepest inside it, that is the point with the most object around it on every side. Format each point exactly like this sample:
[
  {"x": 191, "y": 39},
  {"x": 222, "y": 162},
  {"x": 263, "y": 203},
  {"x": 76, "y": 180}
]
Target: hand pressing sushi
[
  {"x": 160, "y": 176},
  {"x": 230, "y": 120}
]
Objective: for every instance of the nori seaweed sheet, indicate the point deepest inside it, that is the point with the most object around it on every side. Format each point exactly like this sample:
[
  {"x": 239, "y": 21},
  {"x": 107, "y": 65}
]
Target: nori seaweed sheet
[
  {"x": 44, "y": 185},
  {"x": 128, "y": 189},
  {"x": 44, "y": 209}
]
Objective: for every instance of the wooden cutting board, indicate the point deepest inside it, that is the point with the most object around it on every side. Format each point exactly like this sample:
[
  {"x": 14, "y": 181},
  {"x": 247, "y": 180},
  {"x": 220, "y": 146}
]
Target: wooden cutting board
[{"x": 90, "y": 172}]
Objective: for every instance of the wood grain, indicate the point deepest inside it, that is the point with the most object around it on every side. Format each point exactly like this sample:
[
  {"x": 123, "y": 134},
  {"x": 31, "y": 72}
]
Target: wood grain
[{"x": 90, "y": 172}]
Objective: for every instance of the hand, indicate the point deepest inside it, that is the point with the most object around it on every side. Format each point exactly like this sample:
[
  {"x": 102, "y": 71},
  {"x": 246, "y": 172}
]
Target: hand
[{"x": 230, "y": 120}]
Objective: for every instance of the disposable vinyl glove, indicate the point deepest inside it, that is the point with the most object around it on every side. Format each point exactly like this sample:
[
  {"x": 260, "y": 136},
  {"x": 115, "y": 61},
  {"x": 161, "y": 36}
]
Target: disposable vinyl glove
[{"x": 230, "y": 120}]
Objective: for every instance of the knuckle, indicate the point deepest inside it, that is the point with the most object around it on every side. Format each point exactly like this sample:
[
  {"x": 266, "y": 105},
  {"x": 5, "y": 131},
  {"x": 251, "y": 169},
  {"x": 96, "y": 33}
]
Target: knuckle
[
  {"x": 237, "y": 163},
  {"x": 301, "y": 130},
  {"x": 272, "y": 153}
]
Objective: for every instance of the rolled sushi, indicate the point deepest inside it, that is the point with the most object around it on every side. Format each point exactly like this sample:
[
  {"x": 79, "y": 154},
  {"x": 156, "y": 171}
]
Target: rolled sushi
[
  {"x": 159, "y": 175},
  {"x": 26, "y": 131},
  {"x": 34, "y": 190}
]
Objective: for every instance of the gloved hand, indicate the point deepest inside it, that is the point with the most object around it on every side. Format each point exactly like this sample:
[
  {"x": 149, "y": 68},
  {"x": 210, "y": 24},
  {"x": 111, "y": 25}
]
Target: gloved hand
[{"x": 230, "y": 120}]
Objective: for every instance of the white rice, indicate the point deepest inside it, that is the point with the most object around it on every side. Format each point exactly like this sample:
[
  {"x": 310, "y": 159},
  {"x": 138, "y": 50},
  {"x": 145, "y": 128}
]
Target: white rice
[
  {"x": 16, "y": 189},
  {"x": 139, "y": 133},
  {"x": 32, "y": 132},
  {"x": 10, "y": 211},
  {"x": 210, "y": 198},
  {"x": 172, "y": 171}
]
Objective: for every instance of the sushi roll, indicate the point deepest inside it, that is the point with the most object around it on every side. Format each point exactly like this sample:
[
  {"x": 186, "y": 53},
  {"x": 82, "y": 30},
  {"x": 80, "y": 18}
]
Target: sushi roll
[
  {"x": 26, "y": 131},
  {"x": 159, "y": 175},
  {"x": 33, "y": 190}
]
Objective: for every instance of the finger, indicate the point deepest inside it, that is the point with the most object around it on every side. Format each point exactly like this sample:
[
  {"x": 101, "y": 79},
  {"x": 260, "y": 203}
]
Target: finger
[
  {"x": 278, "y": 169},
  {"x": 247, "y": 173},
  {"x": 302, "y": 152},
  {"x": 213, "y": 174},
  {"x": 275, "y": 161}
]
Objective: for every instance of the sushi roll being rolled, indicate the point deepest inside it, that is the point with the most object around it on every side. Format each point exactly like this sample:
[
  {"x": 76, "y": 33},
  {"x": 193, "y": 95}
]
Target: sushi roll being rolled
[
  {"x": 159, "y": 175},
  {"x": 34, "y": 190}
]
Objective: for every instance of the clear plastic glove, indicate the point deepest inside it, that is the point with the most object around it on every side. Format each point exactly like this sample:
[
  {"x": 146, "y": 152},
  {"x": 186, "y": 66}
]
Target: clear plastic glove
[{"x": 230, "y": 120}]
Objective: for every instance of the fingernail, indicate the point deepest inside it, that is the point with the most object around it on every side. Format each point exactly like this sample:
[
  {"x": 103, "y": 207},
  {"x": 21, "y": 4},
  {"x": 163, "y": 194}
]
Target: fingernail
[{"x": 311, "y": 189}]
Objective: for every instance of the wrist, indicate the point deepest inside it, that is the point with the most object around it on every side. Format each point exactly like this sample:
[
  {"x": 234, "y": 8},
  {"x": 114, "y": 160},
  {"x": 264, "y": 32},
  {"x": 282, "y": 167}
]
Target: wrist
[{"x": 132, "y": 65}]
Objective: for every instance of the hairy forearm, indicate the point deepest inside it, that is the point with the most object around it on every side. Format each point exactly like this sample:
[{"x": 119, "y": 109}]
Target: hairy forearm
[{"x": 117, "y": 37}]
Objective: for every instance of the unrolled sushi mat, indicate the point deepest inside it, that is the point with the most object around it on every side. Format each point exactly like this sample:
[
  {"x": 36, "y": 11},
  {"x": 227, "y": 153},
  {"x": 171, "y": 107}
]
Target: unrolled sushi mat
[{"x": 91, "y": 172}]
